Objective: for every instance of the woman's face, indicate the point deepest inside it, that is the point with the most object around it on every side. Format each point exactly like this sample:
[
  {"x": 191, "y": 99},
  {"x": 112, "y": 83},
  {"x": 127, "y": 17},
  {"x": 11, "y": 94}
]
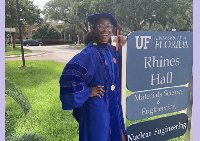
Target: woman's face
[{"x": 103, "y": 30}]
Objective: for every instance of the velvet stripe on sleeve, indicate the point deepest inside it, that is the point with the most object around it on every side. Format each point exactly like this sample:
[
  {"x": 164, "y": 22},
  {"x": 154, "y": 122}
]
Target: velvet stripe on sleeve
[{"x": 76, "y": 76}]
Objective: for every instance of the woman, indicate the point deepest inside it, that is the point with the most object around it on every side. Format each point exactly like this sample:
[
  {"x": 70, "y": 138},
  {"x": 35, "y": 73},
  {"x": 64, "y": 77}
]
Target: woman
[{"x": 90, "y": 84}]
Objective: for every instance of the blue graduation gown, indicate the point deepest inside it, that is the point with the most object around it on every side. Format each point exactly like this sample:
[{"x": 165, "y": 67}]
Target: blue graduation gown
[{"x": 100, "y": 119}]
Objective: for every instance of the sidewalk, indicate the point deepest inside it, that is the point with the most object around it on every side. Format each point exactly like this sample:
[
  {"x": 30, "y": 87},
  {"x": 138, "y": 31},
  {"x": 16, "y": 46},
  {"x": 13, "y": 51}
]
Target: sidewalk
[
  {"x": 60, "y": 53},
  {"x": 34, "y": 53}
]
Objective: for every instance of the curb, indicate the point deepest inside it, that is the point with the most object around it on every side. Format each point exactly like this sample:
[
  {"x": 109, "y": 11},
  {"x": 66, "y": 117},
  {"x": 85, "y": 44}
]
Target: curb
[{"x": 25, "y": 55}]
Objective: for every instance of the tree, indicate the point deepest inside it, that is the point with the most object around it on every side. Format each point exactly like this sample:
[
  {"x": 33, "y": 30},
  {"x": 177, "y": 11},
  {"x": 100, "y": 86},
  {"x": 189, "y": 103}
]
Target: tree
[
  {"x": 173, "y": 14},
  {"x": 57, "y": 10},
  {"x": 155, "y": 14},
  {"x": 72, "y": 12},
  {"x": 29, "y": 14},
  {"x": 46, "y": 31},
  {"x": 67, "y": 11},
  {"x": 132, "y": 15}
]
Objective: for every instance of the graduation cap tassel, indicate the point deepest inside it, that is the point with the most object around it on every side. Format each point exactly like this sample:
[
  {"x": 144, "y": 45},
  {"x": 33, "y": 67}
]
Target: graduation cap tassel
[{"x": 117, "y": 42}]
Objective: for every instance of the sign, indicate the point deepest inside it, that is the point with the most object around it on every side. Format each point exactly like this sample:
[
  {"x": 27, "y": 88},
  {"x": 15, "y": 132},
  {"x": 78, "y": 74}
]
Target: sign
[
  {"x": 160, "y": 129},
  {"x": 156, "y": 102},
  {"x": 157, "y": 59},
  {"x": 10, "y": 29}
]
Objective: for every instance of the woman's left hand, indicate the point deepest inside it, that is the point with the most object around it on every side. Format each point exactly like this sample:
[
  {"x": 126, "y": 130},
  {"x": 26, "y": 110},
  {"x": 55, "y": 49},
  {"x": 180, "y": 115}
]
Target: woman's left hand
[{"x": 122, "y": 40}]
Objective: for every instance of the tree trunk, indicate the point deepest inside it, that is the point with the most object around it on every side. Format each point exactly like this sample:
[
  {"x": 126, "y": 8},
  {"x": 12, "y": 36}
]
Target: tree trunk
[
  {"x": 13, "y": 39},
  {"x": 20, "y": 33}
]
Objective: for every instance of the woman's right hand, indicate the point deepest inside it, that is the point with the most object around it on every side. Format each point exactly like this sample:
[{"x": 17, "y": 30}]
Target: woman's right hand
[{"x": 97, "y": 91}]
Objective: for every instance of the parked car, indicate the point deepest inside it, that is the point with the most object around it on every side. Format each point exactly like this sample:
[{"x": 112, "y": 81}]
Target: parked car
[{"x": 32, "y": 43}]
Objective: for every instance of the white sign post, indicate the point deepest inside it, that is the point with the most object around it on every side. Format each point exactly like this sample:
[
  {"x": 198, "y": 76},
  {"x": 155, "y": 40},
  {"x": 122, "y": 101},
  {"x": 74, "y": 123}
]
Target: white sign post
[{"x": 123, "y": 78}]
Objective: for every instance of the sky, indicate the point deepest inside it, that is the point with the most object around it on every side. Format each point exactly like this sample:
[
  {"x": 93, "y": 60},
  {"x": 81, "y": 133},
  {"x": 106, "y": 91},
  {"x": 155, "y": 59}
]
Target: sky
[{"x": 40, "y": 3}]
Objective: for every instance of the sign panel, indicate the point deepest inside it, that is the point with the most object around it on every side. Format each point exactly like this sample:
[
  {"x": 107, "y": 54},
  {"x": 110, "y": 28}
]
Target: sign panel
[
  {"x": 160, "y": 129},
  {"x": 157, "y": 59},
  {"x": 156, "y": 102},
  {"x": 10, "y": 29}
]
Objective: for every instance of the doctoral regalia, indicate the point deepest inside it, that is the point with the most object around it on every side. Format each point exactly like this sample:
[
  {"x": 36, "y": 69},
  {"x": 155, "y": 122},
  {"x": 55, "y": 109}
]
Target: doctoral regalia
[{"x": 100, "y": 119}]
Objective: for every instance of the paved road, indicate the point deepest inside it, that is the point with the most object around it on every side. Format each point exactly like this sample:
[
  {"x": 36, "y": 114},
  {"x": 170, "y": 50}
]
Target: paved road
[{"x": 61, "y": 53}]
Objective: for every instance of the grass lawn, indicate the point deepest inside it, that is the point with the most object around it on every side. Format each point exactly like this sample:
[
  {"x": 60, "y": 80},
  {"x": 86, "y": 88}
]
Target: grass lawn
[
  {"x": 15, "y": 51},
  {"x": 40, "y": 81}
]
